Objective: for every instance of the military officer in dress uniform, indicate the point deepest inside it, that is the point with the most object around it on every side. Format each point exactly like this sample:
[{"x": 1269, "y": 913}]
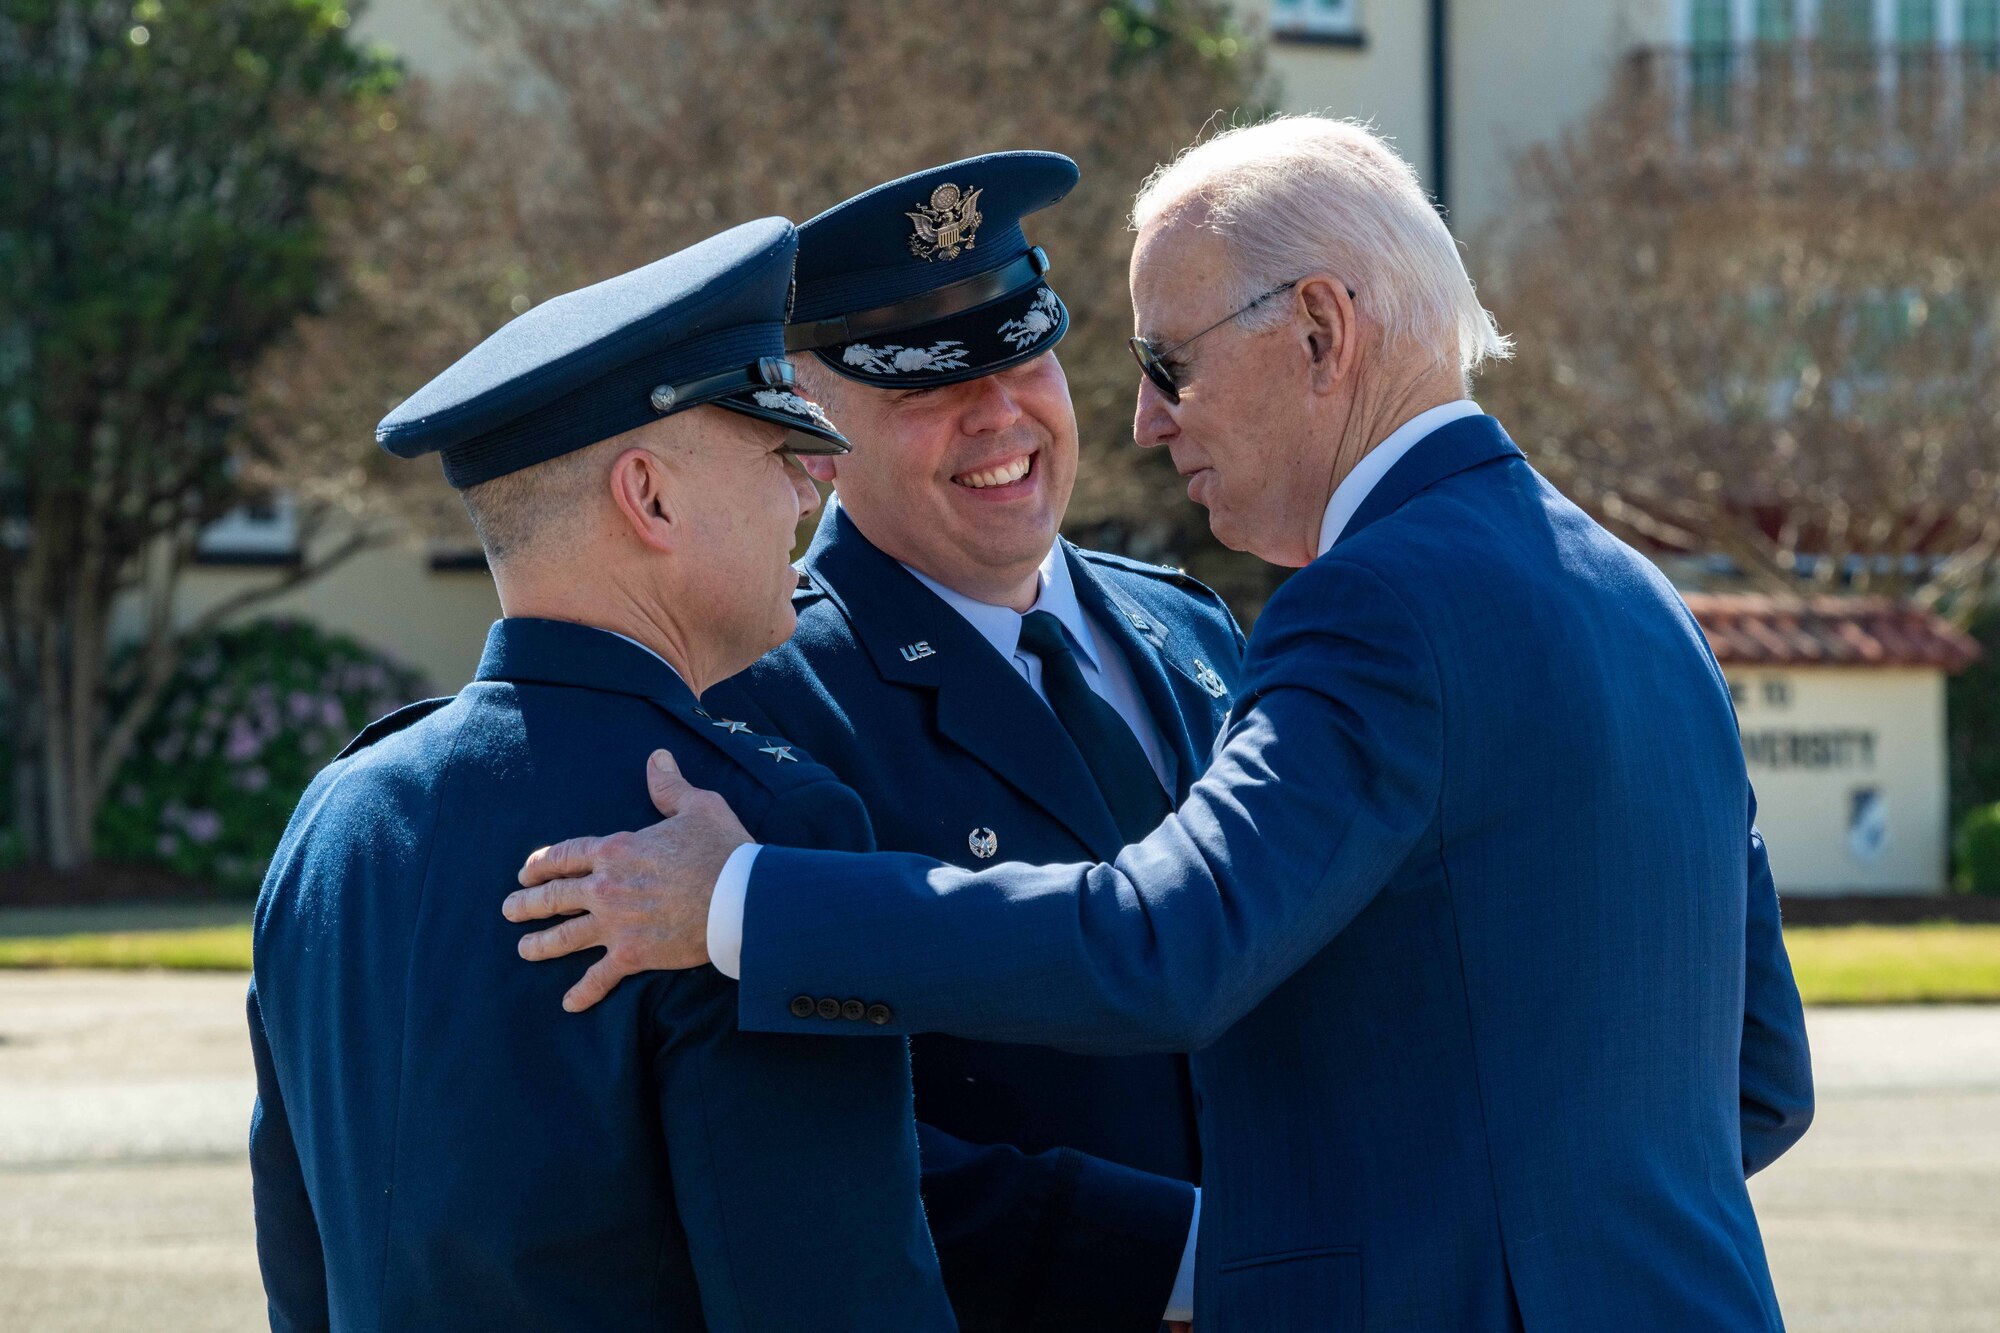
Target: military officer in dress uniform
[
  {"x": 992, "y": 691},
  {"x": 624, "y": 451}
]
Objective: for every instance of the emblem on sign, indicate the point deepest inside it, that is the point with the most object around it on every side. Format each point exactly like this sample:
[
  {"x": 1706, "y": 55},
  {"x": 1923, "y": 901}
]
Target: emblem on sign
[
  {"x": 946, "y": 225},
  {"x": 1204, "y": 676},
  {"x": 983, "y": 842},
  {"x": 920, "y": 649}
]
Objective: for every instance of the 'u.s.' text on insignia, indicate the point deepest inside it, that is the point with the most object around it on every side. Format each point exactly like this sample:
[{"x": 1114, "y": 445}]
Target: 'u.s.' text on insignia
[
  {"x": 781, "y": 754},
  {"x": 920, "y": 649},
  {"x": 983, "y": 842},
  {"x": 730, "y": 725},
  {"x": 1204, "y": 676},
  {"x": 945, "y": 226}
]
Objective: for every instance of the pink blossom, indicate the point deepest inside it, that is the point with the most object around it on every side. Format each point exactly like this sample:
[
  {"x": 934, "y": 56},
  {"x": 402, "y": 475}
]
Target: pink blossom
[
  {"x": 204, "y": 826},
  {"x": 243, "y": 742}
]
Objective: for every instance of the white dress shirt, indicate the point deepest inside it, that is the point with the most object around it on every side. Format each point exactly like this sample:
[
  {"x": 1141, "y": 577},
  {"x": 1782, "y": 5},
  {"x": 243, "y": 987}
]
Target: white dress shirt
[{"x": 1375, "y": 465}]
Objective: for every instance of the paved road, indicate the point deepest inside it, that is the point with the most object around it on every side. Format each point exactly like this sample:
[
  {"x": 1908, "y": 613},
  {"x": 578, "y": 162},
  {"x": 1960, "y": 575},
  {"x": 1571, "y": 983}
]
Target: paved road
[{"x": 124, "y": 1192}]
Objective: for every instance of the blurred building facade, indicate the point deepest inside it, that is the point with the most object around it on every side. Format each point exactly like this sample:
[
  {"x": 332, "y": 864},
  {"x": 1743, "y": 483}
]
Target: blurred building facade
[{"x": 1462, "y": 87}]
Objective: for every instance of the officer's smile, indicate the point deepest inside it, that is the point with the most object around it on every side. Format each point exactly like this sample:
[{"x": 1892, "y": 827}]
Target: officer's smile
[{"x": 1006, "y": 478}]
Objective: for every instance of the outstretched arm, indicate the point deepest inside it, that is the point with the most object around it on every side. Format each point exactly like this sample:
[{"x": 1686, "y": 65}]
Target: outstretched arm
[{"x": 1326, "y": 784}]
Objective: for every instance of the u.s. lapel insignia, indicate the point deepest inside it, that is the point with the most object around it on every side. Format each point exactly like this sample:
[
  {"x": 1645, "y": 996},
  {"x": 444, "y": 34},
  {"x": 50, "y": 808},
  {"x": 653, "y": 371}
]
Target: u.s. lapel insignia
[
  {"x": 917, "y": 651},
  {"x": 1204, "y": 676},
  {"x": 946, "y": 225},
  {"x": 730, "y": 725},
  {"x": 984, "y": 842},
  {"x": 780, "y": 754}
]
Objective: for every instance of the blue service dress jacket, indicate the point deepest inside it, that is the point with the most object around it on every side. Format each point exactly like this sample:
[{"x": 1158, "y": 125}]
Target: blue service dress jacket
[
  {"x": 437, "y": 1145},
  {"x": 1056, "y": 1183},
  {"x": 1468, "y": 925}
]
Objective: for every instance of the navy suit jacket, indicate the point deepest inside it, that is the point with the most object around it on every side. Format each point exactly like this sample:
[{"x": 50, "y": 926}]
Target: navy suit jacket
[
  {"x": 437, "y": 1145},
  {"x": 1468, "y": 923},
  {"x": 1056, "y": 1183}
]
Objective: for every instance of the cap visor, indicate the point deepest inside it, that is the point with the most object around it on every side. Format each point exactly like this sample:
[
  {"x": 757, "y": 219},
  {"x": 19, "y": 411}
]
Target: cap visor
[
  {"x": 1018, "y": 327},
  {"x": 790, "y": 408}
]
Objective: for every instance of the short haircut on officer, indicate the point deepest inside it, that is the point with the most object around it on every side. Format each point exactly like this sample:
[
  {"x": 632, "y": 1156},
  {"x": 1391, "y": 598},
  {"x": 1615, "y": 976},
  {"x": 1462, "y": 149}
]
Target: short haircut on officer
[
  {"x": 1293, "y": 195},
  {"x": 517, "y": 511}
]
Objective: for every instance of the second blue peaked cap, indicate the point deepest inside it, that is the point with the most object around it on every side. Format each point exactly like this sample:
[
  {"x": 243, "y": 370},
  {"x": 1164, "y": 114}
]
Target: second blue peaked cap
[
  {"x": 703, "y": 326},
  {"x": 930, "y": 279}
]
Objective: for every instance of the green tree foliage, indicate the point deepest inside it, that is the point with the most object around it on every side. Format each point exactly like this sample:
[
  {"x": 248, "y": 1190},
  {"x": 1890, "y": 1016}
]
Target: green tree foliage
[
  {"x": 1972, "y": 711},
  {"x": 1978, "y": 850},
  {"x": 159, "y": 167}
]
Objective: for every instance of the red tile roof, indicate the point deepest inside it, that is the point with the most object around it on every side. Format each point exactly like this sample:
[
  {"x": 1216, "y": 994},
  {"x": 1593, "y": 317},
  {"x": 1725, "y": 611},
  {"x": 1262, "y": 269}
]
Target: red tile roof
[{"x": 1753, "y": 630}]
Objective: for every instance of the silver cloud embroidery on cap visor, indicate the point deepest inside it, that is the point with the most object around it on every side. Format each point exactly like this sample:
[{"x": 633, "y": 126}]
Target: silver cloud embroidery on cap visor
[
  {"x": 945, "y": 354},
  {"x": 795, "y": 405},
  {"x": 1038, "y": 320}
]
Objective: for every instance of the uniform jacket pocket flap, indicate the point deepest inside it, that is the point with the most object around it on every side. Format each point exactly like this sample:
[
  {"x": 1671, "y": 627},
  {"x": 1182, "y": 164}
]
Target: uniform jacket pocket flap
[{"x": 1312, "y": 1290}]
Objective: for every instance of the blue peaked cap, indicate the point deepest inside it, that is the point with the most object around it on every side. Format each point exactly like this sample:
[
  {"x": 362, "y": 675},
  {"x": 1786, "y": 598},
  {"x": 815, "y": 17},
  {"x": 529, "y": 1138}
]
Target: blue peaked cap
[
  {"x": 930, "y": 279},
  {"x": 703, "y": 326}
]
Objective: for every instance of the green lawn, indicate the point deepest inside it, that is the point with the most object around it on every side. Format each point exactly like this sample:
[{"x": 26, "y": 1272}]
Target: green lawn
[
  {"x": 1835, "y": 964},
  {"x": 1928, "y": 964},
  {"x": 183, "y": 938}
]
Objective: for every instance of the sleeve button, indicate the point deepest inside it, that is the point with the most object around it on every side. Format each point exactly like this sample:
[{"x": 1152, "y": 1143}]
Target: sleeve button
[
  {"x": 829, "y": 1008},
  {"x": 878, "y": 1014},
  {"x": 802, "y": 1006},
  {"x": 853, "y": 1010}
]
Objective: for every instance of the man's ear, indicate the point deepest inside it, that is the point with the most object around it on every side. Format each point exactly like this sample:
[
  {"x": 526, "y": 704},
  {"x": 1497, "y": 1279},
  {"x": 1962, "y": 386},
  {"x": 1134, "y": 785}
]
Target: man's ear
[
  {"x": 822, "y": 468},
  {"x": 643, "y": 490},
  {"x": 1332, "y": 330}
]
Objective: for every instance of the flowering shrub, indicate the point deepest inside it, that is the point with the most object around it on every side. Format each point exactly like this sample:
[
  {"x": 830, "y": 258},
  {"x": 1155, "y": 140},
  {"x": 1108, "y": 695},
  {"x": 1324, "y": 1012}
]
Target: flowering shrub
[{"x": 252, "y": 715}]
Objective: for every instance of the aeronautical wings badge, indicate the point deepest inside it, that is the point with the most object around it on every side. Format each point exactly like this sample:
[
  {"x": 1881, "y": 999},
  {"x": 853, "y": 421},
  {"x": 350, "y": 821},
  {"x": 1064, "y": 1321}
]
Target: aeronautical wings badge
[{"x": 945, "y": 227}]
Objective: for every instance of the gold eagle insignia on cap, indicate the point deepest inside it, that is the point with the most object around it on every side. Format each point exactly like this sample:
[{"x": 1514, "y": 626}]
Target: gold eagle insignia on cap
[{"x": 946, "y": 225}]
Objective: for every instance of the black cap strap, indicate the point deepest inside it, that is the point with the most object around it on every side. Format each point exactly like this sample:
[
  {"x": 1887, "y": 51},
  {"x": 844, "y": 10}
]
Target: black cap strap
[{"x": 932, "y": 305}]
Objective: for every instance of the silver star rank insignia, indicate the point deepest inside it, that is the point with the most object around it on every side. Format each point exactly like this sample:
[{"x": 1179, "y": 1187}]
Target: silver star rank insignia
[
  {"x": 730, "y": 725},
  {"x": 781, "y": 754}
]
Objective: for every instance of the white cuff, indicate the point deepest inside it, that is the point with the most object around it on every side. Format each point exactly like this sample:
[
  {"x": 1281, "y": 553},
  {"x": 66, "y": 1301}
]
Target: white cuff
[
  {"x": 725, "y": 913},
  {"x": 1180, "y": 1305}
]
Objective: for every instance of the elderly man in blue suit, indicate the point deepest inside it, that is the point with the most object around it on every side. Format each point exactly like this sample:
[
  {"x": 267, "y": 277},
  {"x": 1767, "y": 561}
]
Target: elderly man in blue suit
[
  {"x": 994, "y": 692},
  {"x": 436, "y": 1146},
  {"x": 1468, "y": 923}
]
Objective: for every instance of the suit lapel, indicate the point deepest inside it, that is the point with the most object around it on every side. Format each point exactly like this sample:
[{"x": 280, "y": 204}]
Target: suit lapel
[
  {"x": 1169, "y": 685},
  {"x": 982, "y": 704},
  {"x": 1451, "y": 448}
]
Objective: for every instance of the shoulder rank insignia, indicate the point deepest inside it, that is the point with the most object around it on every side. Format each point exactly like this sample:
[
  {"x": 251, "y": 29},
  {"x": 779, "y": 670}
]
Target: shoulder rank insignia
[
  {"x": 946, "y": 225},
  {"x": 781, "y": 754},
  {"x": 730, "y": 725},
  {"x": 1204, "y": 676}
]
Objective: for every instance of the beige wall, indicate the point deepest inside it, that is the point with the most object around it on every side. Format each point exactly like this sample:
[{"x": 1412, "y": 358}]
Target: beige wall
[
  {"x": 389, "y": 599},
  {"x": 1816, "y": 738}
]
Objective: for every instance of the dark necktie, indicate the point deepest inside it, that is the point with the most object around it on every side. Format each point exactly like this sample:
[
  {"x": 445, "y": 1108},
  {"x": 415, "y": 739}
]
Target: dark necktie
[{"x": 1138, "y": 802}]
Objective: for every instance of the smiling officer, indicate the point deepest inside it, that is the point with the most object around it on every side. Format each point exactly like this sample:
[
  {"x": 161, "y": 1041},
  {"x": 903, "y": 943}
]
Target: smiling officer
[{"x": 993, "y": 691}]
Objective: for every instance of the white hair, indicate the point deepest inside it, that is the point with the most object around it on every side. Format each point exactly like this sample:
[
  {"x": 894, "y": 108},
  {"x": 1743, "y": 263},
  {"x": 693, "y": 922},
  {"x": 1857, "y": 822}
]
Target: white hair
[{"x": 1294, "y": 195}]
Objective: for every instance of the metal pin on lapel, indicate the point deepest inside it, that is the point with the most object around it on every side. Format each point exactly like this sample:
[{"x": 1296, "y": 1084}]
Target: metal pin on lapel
[
  {"x": 984, "y": 842},
  {"x": 921, "y": 648},
  {"x": 1205, "y": 677}
]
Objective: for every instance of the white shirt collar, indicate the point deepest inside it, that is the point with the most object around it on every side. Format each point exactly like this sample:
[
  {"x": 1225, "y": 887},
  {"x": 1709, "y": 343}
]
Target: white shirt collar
[
  {"x": 1375, "y": 465},
  {"x": 636, "y": 644},
  {"x": 1001, "y": 625}
]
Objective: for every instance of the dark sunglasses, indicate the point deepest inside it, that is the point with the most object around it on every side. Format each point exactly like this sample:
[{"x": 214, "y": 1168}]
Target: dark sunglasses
[{"x": 1153, "y": 360}]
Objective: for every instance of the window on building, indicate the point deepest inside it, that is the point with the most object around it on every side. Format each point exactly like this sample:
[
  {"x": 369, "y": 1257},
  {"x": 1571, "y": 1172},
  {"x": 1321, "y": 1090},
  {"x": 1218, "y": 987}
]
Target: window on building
[
  {"x": 1916, "y": 22},
  {"x": 1979, "y": 31},
  {"x": 1776, "y": 21},
  {"x": 1326, "y": 19},
  {"x": 1847, "y": 22},
  {"x": 1711, "y": 58},
  {"x": 263, "y": 532}
]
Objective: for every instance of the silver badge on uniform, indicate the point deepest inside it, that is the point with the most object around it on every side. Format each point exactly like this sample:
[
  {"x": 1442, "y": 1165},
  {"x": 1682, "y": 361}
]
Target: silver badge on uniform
[
  {"x": 983, "y": 842},
  {"x": 920, "y": 649},
  {"x": 1204, "y": 676}
]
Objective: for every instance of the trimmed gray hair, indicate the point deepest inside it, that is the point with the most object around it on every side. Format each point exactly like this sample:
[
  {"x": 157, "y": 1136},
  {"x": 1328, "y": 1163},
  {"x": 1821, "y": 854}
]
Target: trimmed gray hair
[{"x": 1294, "y": 195}]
